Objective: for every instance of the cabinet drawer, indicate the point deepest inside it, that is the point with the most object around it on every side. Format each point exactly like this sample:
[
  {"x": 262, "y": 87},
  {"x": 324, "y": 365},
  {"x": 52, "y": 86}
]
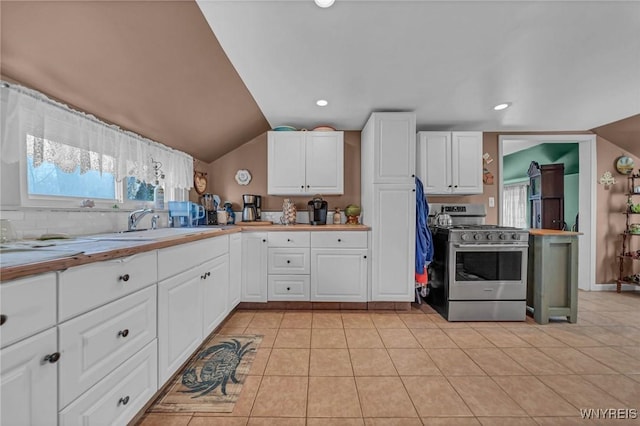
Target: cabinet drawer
[
  {"x": 173, "y": 260},
  {"x": 117, "y": 398},
  {"x": 288, "y": 287},
  {"x": 289, "y": 239},
  {"x": 338, "y": 239},
  {"x": 86, "y": 287},
  {"x": 288, "y": 261},
  {"x": 27, "y": 305},
  {"x": 94, "y": 344}
]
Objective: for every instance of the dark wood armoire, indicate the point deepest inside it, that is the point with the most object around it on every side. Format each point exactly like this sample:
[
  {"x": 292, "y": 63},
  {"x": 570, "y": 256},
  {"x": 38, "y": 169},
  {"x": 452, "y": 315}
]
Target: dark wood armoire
[{"x": 546, "y": 195}]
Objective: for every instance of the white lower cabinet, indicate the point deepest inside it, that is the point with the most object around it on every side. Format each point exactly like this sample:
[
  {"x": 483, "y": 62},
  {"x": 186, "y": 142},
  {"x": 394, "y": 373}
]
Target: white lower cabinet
[
  {"x": 339, "y": 275},
  {"x": 339, "y": 266},
  {"x": 254, "y": 267},
  {"x": 235, "y": 270},
  {"x": 29, "y": 384},
  {"x": 179, "y": 321},
  {"x": 94, "y": 344},
  {"x": 215, "y": 284},
  {"x": 119, "y": 396}
]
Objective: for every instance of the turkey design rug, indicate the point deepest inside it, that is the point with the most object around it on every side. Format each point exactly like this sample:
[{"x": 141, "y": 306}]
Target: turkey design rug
[{"x": 213, "y": 379}]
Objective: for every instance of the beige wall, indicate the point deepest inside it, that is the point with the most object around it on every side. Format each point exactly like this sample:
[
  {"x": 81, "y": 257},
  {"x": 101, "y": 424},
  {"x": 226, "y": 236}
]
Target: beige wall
[
  {"x": 610, "y": 202},
  {"x": 253, "y": 157}
]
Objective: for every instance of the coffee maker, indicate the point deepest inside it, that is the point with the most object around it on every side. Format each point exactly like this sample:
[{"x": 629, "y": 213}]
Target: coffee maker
[
  {"x": 249, "y": 210},
  {"x": 210, "y": 206},
  {"x": 258, "y": 207},
  {"x": 317, "y": 211}
]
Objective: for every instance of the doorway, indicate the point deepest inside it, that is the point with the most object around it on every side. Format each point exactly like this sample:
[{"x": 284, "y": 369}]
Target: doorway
[{"x": 586, "y": 193}]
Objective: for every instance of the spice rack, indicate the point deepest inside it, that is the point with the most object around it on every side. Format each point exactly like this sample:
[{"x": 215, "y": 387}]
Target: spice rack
[{"x": 626, "y": 252}]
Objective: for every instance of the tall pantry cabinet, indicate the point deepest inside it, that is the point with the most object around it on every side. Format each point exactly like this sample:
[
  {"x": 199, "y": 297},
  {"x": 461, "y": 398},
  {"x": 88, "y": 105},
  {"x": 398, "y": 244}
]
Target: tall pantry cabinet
[{"x": 389, "y": 203}]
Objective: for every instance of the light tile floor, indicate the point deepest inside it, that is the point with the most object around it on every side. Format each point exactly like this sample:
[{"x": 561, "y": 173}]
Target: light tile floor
[{"x": 413, "y": 368}]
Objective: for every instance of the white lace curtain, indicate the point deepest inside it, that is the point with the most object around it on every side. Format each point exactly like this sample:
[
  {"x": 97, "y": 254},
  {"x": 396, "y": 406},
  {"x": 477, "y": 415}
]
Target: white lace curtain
[
  {"x": 514, "y": 205},
  {"x": 57, "y": 134}
]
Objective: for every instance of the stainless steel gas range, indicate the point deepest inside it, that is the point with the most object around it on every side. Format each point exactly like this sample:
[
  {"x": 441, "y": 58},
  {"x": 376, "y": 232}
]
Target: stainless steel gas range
[{"x": 479, "y": 272}]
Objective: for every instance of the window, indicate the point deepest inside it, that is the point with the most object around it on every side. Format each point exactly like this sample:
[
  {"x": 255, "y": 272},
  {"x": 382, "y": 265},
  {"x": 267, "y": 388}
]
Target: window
[
  {"x": 58, "y": 170},
  {"x": 514, "y": 205},
  {"x": 60, "y": 156}
]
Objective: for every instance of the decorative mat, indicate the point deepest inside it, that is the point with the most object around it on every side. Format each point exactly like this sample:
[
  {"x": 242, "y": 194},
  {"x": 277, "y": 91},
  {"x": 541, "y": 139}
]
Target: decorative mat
[{"x": 213, "y": 379}]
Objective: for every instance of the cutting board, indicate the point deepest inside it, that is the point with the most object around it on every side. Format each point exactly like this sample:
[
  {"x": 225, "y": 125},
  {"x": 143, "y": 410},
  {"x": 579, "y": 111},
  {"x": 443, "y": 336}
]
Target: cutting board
[{"x": 256, "y": 223}]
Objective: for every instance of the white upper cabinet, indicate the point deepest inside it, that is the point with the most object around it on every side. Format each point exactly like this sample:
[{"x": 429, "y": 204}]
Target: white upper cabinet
[
  {"x": 394, "y": 147},
  {"x": 305, "y": 163},
  {"x": 450, "y": 162}
]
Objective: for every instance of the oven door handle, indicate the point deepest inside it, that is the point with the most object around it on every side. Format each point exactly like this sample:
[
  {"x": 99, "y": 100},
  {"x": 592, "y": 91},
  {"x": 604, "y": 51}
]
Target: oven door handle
[{"x": 492, "y": 246}]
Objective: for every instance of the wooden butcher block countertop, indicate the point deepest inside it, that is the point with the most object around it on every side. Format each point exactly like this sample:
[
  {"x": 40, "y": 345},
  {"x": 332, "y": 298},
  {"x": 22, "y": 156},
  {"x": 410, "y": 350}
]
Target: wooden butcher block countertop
[
  {"x": 551, "y": 232},
  {"x": 98, "y": 250}
]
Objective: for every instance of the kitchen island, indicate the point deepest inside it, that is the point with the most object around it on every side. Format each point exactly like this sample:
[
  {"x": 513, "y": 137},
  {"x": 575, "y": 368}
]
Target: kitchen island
[{"x": 552, "y": 278}]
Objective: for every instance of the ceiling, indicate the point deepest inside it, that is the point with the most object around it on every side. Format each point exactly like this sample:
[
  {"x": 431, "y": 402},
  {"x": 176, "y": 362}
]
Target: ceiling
[{"x": 207, "y": 77}]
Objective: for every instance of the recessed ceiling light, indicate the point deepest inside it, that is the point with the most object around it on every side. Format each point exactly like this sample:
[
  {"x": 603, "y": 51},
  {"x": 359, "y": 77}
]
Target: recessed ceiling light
[
  {"x": 500, "y": 107},
  {"x": 322, "y": 102},
  {"x": 324, "y": 3}
]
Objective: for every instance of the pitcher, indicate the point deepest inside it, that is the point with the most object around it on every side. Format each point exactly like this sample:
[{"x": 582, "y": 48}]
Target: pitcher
[{"x": 288, "y": 212}]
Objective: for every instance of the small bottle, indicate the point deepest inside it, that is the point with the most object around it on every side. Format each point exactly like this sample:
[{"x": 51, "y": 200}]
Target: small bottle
[
  {"x": 336, "y": 217},
  {"x": 158, "y": 196}
]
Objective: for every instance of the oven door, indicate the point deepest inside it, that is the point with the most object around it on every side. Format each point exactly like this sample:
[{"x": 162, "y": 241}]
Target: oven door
[{"x": 487, "y": 271}]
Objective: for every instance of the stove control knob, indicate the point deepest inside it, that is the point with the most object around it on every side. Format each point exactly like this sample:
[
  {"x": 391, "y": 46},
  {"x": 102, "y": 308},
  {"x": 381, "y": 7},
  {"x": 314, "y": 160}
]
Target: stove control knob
[
  {"x": 465, "y": 237},
  {"x": 492, "y": 236},
  {"x": 477, "y": 236},
  {"x": 503, "y": 236},
  {"x": 515, "y": 236}
]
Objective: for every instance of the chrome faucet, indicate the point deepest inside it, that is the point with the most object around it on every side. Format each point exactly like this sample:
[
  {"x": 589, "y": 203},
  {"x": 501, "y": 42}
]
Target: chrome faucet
[
  {"x": 135, "y": 216},
  {"x": 154, "y": 221}
]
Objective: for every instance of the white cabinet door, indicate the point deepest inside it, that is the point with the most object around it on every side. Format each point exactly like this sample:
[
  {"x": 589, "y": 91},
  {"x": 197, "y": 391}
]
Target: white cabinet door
[
  {"x": 434, "y": 162},
  {"x": 179, "y": 321},
  {"x": 304, "y": 163},
  {"x": 235, "y": 270},
  {"x": 254, "y": 267},
  {"x": 215, "y": 284},
  {"x": 286, "y": 163},
  {"x": 466, "y": 156},
  {"x": 450, "y": 163},
  {"x": 339, "y": 275},
  {"x": 29, "y": 386},
  {"x": 324, "y": 163},
  {"x": 393, "y": 243},
  {"x": 395, "y": 148}
]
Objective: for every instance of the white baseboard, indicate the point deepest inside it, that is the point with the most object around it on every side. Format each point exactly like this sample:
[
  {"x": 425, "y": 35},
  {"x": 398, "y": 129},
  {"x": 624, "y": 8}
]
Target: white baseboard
[{"x": 612, "y": 287}]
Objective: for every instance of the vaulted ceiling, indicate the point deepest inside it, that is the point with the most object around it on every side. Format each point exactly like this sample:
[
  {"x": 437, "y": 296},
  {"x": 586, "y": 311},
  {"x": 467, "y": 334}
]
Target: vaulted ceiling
[{"x": 209, "y": 76}]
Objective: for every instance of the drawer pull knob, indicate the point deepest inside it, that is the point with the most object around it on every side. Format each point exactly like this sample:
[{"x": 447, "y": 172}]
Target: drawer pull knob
[
  {"x": 413, "y": 175},
  {"x": 124, "y": 277},
  {"x": 302, "y": 186},
  {"x": 289, "y": 240},
  {"x": 288, "y": 288},
  {"x": 365, "y": 257},
  {"x": 52, "y": 358},
  {"x": 288, "y": 261},
  {"x": 264, "y": 241},
  {"x": 123, "y": 333},
  {"x": 3, "y": 319},
  {"x": 124, "y": 401},
  {"x": 339, "y": 240}
]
